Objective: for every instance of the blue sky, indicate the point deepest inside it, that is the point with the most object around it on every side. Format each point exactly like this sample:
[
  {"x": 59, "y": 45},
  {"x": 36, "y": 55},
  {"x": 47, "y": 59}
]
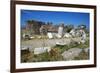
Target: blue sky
[{"x": 74, "y": 18}]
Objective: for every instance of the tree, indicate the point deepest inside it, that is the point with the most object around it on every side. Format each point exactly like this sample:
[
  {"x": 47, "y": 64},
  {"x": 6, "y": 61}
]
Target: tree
[
  {"x": 82, "y": 26},
  {"x": 49, "y": 23}
]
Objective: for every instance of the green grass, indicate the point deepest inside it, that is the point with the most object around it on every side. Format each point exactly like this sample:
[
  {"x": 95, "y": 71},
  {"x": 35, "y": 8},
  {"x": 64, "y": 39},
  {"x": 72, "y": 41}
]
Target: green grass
[
  {"x": 53, "y": 55},
  {"x": 62, "y": 48},
  {"x": 82, "y": 46}
]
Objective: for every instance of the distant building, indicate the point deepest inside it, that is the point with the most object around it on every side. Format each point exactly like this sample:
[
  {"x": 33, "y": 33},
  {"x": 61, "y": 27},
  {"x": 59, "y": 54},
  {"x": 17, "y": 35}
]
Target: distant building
[
  {"x": 48, "y": 29},
  {"x": 39, "y": 27},
  {"x": 33, "y": 26}
]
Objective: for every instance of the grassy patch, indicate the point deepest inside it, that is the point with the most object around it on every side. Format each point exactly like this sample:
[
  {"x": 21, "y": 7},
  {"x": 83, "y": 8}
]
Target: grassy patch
[
  {"x": 82, "y": 46},
  {"x": 62, "y": 48},
  {"x": 53, "y": 55}
]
